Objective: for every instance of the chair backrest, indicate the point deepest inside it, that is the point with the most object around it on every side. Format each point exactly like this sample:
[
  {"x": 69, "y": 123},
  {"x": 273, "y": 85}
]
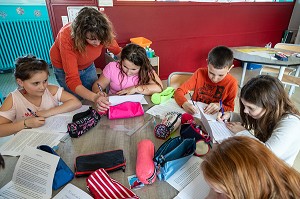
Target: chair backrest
[
  {"x": 175, "y": 79},
  {"x": 285, "y": 46}
]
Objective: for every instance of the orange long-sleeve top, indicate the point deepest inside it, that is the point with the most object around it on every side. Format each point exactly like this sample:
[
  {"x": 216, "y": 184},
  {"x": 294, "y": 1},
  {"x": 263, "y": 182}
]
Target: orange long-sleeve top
[
  {"x": 64, "y": 56},
  {"x": 207, "y": 91}
]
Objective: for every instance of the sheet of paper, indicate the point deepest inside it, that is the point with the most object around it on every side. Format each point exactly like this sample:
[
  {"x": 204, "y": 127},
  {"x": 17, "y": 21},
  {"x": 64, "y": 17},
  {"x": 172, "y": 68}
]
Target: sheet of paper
[
  {"x": 33, "y": 176},
  {"x": 58, "y": 123},
  {"x": 265, "y": 54},
  {"x": 29, "y": 137},
  {"x": 162, "y": 109},
  {"x": 220, "y": 131},
  {"x": 70, "y": 192},
  {"x": 215, "y": 129},
  {"x": 201, "y": 106},
  {"x": 189, "y": 180},
  {"x": 198, "y": 188},
  {"x": 118, "y": 99}
]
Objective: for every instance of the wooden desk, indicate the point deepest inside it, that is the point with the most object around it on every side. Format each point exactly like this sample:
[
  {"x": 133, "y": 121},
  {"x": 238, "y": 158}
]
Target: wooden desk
[
  {"x": 108, "y": 135},
  {"x": 248, "y": 58}
]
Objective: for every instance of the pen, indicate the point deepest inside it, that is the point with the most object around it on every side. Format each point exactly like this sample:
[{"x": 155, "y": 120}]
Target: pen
[
  {"x": 99, "y": 86},
  {"x": 221, "y": 106},
  {"x": 191, "y": 98},
  {"x": 32, "y": 112}
]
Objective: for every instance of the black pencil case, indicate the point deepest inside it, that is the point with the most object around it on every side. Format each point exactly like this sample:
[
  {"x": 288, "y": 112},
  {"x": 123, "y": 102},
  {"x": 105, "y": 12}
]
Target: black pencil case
[{"x": 109, "y": 160}]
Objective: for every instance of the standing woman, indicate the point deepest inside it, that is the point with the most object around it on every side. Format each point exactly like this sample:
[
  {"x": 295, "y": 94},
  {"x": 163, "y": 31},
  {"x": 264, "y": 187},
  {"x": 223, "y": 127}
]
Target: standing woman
[{"x": 76, "y": 47}]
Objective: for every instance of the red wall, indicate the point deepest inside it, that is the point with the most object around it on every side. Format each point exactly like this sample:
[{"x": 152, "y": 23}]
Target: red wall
[{"x": 183, "y": 33}]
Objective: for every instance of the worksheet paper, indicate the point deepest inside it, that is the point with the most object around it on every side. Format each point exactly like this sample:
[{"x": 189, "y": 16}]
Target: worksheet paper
[
  {"x": 51, "y": 133},
  {"x": 189, "y": 180},
  {"x": 118, "y": 99},
  {"x": 215, "y": 129},
  {"x": 72, "y": 192},
  {"x": 32, "y": 177},
  {"x": 162, "y": 109},
  {"x": 58, "y": 123},
  {"x": 32, "y": 138}
]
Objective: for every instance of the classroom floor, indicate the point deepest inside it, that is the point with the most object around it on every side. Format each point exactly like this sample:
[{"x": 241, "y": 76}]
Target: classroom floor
[{"x": 8, "y": 84}]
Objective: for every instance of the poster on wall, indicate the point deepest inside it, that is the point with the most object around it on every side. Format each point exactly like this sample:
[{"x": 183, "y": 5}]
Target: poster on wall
[
  {"x": 73, "y": 11},
  {"x": 106, "y": 3}
]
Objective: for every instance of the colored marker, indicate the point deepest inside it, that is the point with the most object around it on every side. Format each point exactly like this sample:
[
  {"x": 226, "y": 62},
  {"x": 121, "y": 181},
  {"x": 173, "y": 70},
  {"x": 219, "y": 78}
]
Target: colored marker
[
  {"x": 99, "y": 86},
  {"x": 32, "y": 112},
  {"x": 221, "y": 106}
]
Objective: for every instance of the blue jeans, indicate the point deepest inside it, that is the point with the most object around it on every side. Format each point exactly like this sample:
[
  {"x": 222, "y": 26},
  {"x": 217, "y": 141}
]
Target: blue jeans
[{"x": 87, "y": 76}]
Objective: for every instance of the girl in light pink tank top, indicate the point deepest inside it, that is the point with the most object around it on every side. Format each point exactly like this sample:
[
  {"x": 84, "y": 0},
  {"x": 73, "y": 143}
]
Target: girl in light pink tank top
[{"x": 29, "y": 106}]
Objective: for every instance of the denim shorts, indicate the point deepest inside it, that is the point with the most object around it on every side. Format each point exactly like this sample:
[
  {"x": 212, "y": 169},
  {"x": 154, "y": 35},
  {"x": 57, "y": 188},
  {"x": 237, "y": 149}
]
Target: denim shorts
[{"x": 87, "y": 76}]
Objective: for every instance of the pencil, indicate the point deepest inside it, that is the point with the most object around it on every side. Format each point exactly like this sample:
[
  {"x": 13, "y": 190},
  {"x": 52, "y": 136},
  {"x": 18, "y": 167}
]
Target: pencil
[{"x": 191, "y": 98}]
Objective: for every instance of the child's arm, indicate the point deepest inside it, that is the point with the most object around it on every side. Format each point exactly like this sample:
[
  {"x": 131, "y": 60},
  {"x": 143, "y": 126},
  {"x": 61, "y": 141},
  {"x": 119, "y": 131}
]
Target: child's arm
[
  {"x": 102, "y": 81},
  {"x": 148, "y": 89},
  {"x": 180, "y": 93},
  {"x": 69, "y": 103},
  {"x": 7, "y": 127},
  {"x": 228, "y": 102}
]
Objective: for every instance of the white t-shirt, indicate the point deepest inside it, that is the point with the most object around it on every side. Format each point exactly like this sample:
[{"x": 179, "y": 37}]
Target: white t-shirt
[
  {"x": 20, "y": 104},
  {"x": 285, "y": 139}
]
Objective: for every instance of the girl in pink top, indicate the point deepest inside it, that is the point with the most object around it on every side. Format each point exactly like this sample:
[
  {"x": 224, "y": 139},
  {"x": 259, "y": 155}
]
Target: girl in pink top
[
  {"x": 133, "y": 74},
  {"x": 36, "y": 100}
]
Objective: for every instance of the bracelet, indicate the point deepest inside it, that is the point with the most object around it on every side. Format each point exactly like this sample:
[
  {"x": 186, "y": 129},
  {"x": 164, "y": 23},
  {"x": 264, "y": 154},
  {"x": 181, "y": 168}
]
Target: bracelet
[{"x": 25, "y": 126}]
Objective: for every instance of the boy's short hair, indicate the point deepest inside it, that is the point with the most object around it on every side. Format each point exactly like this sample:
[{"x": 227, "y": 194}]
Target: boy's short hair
[{"x": 220, "y": 57}]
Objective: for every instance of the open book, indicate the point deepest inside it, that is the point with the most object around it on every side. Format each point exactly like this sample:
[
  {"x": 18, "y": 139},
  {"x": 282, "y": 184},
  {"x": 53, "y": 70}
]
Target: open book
[
  {"x": 189, "y": 180},
  {"x": 32, "y": 177}
]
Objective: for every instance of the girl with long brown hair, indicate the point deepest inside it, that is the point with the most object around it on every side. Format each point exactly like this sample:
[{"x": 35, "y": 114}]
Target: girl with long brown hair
[
  {"x": 133, "y": 74},
  {"x": 267, "y": 113}
]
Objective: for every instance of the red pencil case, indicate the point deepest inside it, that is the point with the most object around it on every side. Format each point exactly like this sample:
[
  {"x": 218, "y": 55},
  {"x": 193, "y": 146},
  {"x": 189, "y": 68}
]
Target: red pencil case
[
  {"x": 109, "y": 160},
  {"x": 145, "y": 168}
]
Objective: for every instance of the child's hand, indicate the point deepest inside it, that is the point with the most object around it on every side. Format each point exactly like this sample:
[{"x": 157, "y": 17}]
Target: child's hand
[
  {"x": 128, "y": 91},
  {"x": 235, "y": 127},
  {"x": 35, "y": 122},
  {"x": 100, "y": 93},
  {"x": 44, "y": 113},
  {"x": 212, "y": 108},
  {"x": 189, "y": 108},
  {"x": 223, "y": 118},
  {"x": 102, "y": 103}
]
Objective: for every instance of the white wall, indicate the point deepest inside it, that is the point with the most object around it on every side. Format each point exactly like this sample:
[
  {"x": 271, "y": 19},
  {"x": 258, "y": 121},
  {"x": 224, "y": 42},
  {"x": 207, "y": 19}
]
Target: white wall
[{"x": 23, "y": 2}]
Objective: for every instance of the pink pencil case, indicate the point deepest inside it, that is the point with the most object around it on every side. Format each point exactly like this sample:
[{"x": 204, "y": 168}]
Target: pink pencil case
[
  {"x": 145, "y": 169},
  {"x": 125, "y": 110}
]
